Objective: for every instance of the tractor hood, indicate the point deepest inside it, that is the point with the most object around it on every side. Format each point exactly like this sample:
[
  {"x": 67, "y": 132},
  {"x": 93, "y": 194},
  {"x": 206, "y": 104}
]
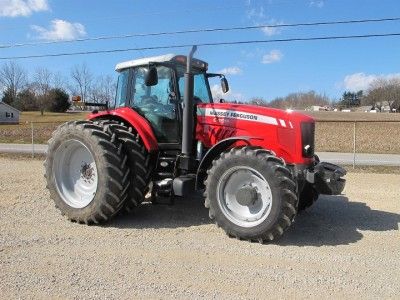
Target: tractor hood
[
  {"x": 289, "y": 134},
  {"x": 252, "y": 113}
]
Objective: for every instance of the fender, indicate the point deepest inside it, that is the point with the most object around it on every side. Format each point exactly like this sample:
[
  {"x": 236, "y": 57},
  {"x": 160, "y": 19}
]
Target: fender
[
  {"x": 213, "y": 152},
  {"x": 140, "y": 124}
]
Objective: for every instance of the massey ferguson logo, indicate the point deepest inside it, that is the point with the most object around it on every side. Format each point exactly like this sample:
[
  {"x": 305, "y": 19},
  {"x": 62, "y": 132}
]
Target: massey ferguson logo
[
  {"x": 241, "y": 115},
  {"x": 233, "y": 114}
]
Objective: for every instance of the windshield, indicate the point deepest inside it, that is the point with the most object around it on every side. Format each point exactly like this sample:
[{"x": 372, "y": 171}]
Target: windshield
[{"x": 201, "y": 90}]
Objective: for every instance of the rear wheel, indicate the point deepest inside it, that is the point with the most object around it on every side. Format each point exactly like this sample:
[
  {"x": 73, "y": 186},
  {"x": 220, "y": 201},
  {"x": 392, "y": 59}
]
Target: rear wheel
[
  {"x": 139, "y": 160},
  {"x": 86, "y": 173},
  {"x": 251, "y": 194}
]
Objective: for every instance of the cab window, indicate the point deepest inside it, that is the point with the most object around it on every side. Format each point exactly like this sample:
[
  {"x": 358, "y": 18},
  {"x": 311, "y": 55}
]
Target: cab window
[
  {"x": 122, "y": 89},
  {"x": 201, "y": 89}
]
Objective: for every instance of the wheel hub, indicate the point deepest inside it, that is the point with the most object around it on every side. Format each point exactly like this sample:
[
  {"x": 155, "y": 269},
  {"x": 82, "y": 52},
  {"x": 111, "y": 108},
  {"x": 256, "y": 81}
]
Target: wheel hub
[
  {"x": 247, "y": 195},
  {"x": 87, "y": 172},
  {"x": 75, "y": 173},
  {"x": 244, "y": 196}
]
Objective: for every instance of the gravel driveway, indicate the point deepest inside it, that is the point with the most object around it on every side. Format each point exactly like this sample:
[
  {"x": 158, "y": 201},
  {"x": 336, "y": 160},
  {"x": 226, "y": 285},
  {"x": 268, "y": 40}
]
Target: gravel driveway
[{"x": 346, "y": 246}]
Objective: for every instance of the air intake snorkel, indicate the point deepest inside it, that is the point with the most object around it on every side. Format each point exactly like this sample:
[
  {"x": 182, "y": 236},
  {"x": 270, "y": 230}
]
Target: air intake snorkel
[{"x": 188, "y": 118}]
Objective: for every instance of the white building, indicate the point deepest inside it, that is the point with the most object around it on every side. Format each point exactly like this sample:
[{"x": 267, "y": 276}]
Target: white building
[{"x": 8, "y": 114}]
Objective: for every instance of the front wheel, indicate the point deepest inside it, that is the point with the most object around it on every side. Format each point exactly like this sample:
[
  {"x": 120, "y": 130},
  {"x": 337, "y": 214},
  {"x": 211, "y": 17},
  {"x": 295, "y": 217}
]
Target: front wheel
[{"x": 251, "y": 194}]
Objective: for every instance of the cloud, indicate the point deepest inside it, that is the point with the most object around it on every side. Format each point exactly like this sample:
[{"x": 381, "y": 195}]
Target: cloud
[
  {"x": 16, "y": 8},
  {"x": 361, "y": 81},
  {"x": 272, "y": 57},
  {"x": 270, "y": 31},
  {"x": 60, "y": 30},
  {"x": 255, "y": 13},
  {"x": 317, "y": 3},
  {"x": 231, "y": 71},
  {"x": 217, "y": 94},
  {"x": 258, "y": 17}
]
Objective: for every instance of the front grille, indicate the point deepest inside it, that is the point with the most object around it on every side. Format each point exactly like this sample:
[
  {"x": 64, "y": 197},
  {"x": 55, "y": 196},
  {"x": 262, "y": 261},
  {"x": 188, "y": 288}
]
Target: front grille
[{"x": 308, "y": 139}]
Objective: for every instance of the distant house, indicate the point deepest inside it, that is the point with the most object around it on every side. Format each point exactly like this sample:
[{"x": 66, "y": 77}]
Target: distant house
[
  {"x": 8, "y": 114},
  {"x": 320, "y": 108}
]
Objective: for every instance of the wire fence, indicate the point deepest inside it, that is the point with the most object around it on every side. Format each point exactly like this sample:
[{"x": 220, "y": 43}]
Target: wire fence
[
  {"x": 344, "y": 142},
  {"x": 362, "y": 142}
]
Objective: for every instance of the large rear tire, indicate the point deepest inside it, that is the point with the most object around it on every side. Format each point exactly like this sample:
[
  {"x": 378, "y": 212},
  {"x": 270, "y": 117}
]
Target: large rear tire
[
  {"x": 251, "y": 194},
  {"x": 140, "y": 161},
  {"x": 86, "y": 172}
]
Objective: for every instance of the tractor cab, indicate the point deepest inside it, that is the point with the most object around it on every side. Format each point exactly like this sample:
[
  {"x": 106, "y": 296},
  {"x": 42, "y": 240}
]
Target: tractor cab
[{"x": 154, "y": 87}]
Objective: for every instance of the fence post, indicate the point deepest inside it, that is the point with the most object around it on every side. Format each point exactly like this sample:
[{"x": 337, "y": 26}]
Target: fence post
[
  {"x": 354, "y": 145},
  {"x": 33, "y": 147}
]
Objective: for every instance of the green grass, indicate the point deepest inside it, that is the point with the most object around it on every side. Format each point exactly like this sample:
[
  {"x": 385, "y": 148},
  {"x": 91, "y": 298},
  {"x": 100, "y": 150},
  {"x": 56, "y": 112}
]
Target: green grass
[
  {"x": 43, "y": 126},
  {"x": 48, "y": 117}
]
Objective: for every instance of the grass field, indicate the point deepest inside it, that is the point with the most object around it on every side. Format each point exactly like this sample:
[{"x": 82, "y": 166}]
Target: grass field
[
  {"x": 43, "y": 126},
  {"x": 352, "y": 116},
  {"x": 334, "y": 130},
  {"x": 375, "y": 133},
  {"x": 48, "y": 117}
]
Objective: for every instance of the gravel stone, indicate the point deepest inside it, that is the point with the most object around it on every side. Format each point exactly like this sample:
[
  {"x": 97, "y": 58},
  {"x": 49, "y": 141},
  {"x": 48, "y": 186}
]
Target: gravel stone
[{"x": 343, "y": 247}]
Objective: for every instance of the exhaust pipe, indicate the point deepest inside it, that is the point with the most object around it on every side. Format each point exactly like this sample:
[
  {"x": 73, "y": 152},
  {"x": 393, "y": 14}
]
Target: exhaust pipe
[{"x": 188, "y": 121}]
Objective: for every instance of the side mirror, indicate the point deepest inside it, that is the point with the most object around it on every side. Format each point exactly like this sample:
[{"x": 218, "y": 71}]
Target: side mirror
[
  {"x": 151, "y": 76},
  {"x": 224, "y": 85}
]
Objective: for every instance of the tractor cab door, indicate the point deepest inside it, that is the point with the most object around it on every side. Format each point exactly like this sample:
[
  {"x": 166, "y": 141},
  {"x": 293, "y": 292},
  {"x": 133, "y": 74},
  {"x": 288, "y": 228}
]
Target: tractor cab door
[{"x": 156, "y": 103}]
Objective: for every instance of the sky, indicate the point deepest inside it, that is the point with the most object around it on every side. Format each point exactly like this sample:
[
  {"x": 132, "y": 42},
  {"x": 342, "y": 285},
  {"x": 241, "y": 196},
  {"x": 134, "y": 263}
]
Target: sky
[{"x": 255, "y": 70}]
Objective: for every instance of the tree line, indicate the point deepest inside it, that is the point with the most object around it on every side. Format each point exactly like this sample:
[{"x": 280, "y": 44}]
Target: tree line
[
  {"x": 381, "y": 94},
  {"x": 43, "y": 90},
  {"x": 300, "y": 100}
]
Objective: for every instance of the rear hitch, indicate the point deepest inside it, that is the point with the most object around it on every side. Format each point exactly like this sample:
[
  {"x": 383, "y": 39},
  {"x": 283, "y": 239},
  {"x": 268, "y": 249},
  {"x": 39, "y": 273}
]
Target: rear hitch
[{"x": 327, "y": 178}]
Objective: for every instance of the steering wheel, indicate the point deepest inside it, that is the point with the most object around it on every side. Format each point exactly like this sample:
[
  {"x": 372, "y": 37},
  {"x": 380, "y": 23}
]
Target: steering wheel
[{"x": 147, "y": 100}]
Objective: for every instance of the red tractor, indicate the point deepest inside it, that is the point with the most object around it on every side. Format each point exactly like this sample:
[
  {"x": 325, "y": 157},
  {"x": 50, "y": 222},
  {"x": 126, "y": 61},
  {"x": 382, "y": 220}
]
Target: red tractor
[{"x": 168, "y": 137}]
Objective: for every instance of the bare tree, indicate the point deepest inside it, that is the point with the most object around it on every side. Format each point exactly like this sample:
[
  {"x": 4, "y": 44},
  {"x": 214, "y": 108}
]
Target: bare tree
[
  {"x": 384, "y": 92},
  {"x": 82, "y": 80},
  {"x": 12, "y": 79},
  {"x": 42, "y": 83},
  {"x": 258, "y": 101},
  {"x": 300, "y": 100},
  {"x": 393, "y": 94},
  {"x": 60, "y": 81},
  {"x": 103, "y": 90}
]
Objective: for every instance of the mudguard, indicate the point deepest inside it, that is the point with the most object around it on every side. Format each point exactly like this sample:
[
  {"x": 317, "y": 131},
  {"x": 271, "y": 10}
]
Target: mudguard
[{"x": 139, "y": 123}]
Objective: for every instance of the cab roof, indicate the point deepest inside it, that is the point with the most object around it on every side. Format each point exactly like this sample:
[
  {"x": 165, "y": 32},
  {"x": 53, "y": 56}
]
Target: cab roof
[{"x": 178, "y": 59}]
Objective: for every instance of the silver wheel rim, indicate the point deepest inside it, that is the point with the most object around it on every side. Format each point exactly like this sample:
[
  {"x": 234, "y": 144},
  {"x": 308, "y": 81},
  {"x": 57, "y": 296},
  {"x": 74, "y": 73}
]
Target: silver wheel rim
[
  {"x": 75, "y": 174},
  {"x": 232, "y": 206}
]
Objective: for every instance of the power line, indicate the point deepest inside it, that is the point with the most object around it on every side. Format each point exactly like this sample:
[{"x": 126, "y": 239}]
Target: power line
[
  {"x": 207, "y": 44},
  {"x": 204, "y": 30}
]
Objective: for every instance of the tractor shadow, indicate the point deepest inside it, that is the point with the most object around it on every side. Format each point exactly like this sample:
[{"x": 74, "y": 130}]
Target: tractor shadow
[
  {"x": 185, "y": 212},
  {"x": 334, "y": 220}
]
